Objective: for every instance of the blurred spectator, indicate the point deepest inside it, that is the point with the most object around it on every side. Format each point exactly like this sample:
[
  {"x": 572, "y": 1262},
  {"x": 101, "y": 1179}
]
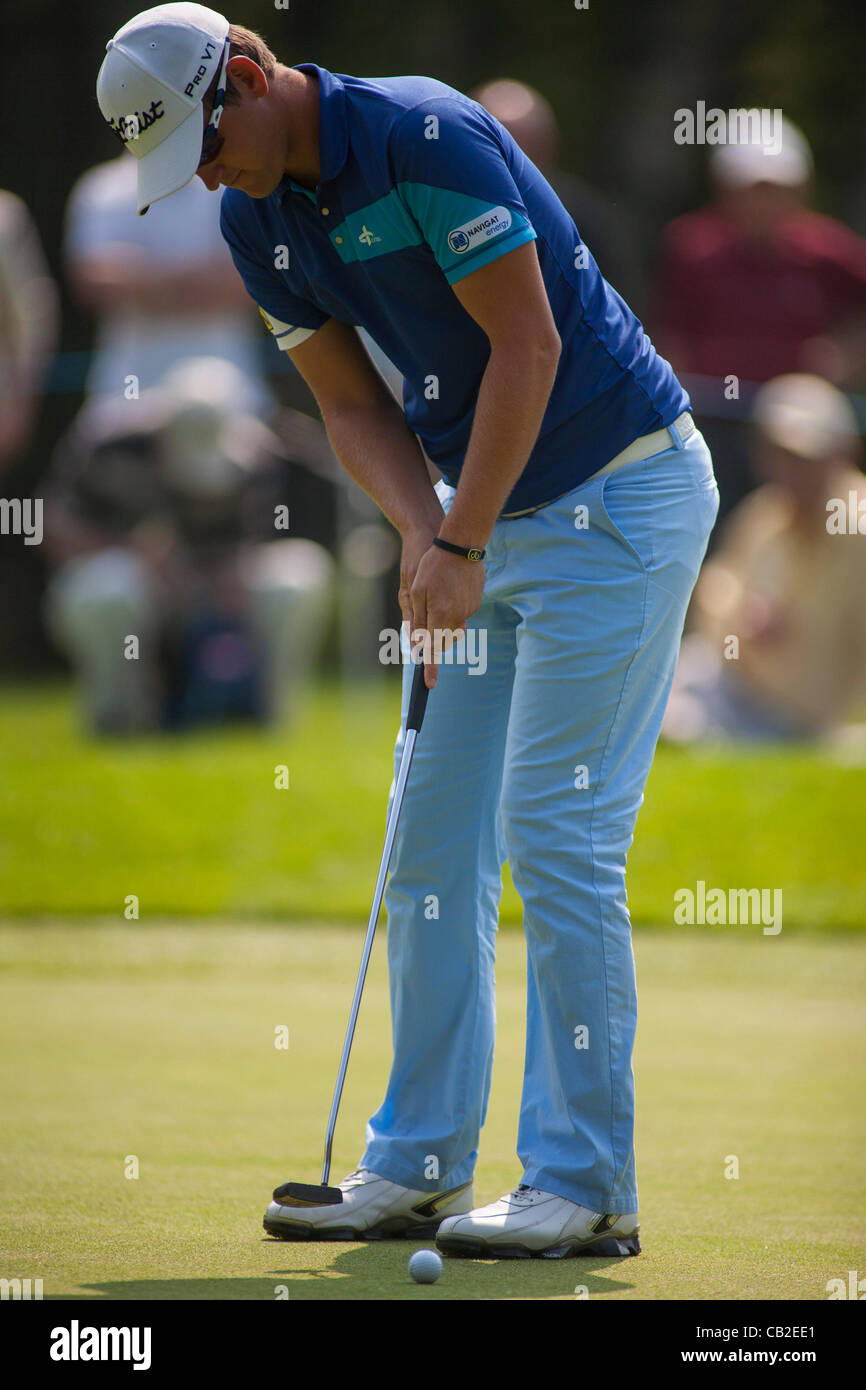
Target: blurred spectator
[
  {"x": 166, "y": 520},
  {"x": 28, "y": 325},
  {"x": 604, "y": 227},
  {"x": 163, "y": 287},
  {"x": 777, "y": 643},
  {"x": 753, "y": 286}
]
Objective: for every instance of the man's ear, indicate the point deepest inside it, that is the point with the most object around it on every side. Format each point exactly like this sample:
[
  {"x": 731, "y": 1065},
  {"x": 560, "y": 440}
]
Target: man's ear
[{"x": 247, "y": 76}]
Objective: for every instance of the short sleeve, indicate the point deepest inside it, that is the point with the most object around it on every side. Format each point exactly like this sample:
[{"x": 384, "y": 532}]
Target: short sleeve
[
  {"x": 288, "y": 316},
  {"x": 451, "y": 167}
]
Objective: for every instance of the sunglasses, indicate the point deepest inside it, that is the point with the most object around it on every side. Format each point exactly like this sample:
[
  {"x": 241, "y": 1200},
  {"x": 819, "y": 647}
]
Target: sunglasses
[{"x": 212, "y": 141}]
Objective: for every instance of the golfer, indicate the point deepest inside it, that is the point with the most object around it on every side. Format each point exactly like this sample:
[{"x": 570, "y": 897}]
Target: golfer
[{"x": 569, "y": 526}]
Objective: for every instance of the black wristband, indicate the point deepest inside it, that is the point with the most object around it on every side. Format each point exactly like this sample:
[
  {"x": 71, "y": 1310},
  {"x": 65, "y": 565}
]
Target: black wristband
[{"x": 471, "y": 554}]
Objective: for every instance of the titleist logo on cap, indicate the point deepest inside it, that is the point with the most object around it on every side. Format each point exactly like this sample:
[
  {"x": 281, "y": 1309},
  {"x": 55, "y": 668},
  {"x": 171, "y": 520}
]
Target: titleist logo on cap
[{"x": 130, "y": 126}]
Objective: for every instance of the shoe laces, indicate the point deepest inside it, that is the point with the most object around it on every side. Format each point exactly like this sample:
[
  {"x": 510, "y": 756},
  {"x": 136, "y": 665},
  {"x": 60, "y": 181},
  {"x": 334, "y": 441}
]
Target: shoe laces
[
  {"x": 524, "y": 1194},
  {"x": 357, "y": 1176}
]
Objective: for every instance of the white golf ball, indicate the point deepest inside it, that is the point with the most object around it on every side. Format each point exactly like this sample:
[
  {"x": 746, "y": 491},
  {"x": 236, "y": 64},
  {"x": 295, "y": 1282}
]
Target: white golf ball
[{"x": 425, "y": 1266}]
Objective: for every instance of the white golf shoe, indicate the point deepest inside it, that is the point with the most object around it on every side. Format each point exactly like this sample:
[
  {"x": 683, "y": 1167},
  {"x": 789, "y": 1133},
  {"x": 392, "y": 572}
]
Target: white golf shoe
[
  {"x": 372, "y": 1209},
  {"x": 528, "y": 1223}
]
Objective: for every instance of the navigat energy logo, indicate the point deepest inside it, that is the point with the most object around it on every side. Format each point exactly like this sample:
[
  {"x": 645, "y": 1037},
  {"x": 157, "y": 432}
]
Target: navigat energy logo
[{"x": 489, "y": 224}]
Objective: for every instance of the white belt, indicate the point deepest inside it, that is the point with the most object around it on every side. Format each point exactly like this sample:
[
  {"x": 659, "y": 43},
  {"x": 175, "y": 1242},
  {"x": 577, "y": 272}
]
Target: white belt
[
  {"x": 642, "y": 448},
  {"x": 649, "y": 444}
]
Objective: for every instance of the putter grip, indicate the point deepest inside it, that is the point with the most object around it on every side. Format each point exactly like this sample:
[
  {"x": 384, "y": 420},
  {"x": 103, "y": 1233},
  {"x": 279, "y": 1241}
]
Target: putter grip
[{"x": 417, "y": 699}]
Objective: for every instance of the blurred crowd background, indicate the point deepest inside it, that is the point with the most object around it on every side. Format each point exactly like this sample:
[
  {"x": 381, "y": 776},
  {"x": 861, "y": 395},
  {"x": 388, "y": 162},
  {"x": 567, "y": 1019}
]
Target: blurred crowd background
[{"x": 142, "y": 399}]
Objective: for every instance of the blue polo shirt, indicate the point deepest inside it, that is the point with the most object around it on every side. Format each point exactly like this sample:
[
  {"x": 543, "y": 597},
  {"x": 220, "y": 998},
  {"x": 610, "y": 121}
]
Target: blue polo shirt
[{"x": 419, "y": 187}]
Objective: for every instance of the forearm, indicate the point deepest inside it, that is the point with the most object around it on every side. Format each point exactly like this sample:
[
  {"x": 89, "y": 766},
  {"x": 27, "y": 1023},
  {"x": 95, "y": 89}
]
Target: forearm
[
  {"x": 376, "y": 447},
  {"x": 512, "y": 400}
]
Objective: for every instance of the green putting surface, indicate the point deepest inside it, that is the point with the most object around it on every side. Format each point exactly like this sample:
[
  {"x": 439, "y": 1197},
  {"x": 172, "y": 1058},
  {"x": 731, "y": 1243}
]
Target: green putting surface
[{"x": 157, "y": 1043}]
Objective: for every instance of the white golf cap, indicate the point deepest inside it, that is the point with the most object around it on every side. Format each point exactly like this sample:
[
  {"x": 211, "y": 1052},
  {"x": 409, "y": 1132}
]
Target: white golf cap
[
  {"x": 806, "y": 415},
  {"x": 155, "y": 73},
  {"x": 776, "y": 152}
]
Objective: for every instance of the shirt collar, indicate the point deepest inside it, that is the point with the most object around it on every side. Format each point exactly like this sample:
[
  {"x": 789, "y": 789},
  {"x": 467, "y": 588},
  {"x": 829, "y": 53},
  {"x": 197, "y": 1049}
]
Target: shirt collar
[{"x": 333, "y": 129}]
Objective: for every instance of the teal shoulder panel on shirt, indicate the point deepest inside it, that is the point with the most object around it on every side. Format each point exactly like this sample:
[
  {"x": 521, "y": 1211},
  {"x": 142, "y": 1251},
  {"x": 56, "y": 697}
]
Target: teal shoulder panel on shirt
[
  {"x": 462, "y": 231},
  {"x": 375, "y": 230},
  {"x": 467, "y": 231}
]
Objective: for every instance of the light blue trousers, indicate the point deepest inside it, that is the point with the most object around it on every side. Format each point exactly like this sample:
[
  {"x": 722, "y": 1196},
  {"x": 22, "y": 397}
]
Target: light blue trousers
[{"x": 541, "y": 760}]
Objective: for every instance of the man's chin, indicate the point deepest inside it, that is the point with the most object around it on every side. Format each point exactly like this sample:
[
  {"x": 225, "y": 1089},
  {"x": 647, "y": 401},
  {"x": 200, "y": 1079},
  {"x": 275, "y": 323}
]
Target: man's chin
[
  {"x": 257, "y": 185},
  {"x": 261, "y": 185},
  {"x": 252, "y": 185}
]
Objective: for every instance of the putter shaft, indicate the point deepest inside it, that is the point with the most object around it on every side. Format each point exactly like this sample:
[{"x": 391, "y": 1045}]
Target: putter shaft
[{"x": 417, "y": 705}]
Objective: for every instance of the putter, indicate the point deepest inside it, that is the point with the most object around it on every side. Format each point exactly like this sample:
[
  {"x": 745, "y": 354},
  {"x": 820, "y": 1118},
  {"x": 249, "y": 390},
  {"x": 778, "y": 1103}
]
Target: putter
[{"x": 301, "y": 1194}]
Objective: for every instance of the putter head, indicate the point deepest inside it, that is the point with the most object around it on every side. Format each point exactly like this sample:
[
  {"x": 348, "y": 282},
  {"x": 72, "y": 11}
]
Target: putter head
[{"x": 307, "y": 1194}]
